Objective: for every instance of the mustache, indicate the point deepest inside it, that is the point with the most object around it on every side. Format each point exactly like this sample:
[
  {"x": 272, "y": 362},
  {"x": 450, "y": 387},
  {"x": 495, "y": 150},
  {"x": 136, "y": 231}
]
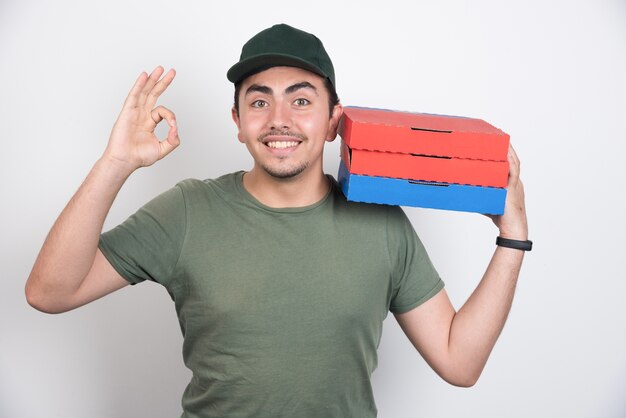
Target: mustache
[{"x": 283, "y": 132}]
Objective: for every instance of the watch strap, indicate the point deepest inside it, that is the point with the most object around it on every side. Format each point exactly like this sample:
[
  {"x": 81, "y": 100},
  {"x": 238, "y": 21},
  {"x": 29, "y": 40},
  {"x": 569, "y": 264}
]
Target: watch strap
[{"x": 514, "y": 243}]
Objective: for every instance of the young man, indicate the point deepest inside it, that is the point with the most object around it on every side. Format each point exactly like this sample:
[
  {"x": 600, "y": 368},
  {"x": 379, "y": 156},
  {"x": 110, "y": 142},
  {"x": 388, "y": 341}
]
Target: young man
[{"x": 281, "y": 286}]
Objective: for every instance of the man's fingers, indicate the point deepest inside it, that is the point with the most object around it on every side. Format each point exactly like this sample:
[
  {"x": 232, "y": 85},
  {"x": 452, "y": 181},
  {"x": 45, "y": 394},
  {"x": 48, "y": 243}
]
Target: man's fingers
[
  {"x": 154, "y": 77},
  {"x": 160, "y": 112},
  {"x": 514, "y": 164},
  {"x": 513, "y": 154},
  {"x": 148, "y": 88},
  {"x": 172, "y": 141},
  {"x": 159, "y": 88},
  {"x": 133, "y": 95},
  {"x": 166, "y": 146}
]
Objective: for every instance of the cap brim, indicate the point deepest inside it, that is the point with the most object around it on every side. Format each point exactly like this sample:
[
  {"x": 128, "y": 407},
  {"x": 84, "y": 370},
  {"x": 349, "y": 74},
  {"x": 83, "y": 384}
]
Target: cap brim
[{"x": 258, "y": 63}]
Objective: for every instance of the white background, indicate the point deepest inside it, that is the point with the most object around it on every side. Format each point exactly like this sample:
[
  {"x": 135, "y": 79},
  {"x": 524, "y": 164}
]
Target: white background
[{"x": 551, "y": 74}]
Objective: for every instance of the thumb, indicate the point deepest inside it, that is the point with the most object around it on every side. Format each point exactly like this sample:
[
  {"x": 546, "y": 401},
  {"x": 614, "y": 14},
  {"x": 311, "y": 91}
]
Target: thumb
[{"x": 172, "y": 141}]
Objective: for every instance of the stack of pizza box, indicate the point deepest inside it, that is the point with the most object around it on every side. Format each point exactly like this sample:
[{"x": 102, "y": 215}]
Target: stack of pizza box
[{"x": 424, "y": 160}]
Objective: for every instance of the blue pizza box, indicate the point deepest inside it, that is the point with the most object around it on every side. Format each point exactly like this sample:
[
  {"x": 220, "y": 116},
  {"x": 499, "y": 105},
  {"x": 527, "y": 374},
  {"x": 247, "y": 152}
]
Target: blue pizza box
[{"x": 402, "y": 192}]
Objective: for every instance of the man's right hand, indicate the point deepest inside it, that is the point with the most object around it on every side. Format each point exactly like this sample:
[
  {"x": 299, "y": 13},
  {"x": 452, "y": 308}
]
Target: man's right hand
[{"x": 133, "y": 143}]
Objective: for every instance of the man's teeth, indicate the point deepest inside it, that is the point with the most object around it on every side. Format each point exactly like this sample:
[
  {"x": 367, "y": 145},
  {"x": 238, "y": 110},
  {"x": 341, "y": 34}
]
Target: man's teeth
[{"x": 282, "y": 144}]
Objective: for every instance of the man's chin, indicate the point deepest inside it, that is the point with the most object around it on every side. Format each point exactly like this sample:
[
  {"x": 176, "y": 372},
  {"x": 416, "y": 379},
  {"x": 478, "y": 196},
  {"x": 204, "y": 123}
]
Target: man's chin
[{"x": 285, "y": 173}]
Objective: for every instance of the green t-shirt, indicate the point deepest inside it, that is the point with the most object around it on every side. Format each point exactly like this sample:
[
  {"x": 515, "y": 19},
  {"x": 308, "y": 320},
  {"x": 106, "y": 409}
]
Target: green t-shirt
[{"x": 281, "y": 309}]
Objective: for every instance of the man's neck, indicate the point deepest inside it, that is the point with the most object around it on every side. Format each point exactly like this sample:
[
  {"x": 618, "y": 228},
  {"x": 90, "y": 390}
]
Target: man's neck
[{"x": 294, "y": 192}]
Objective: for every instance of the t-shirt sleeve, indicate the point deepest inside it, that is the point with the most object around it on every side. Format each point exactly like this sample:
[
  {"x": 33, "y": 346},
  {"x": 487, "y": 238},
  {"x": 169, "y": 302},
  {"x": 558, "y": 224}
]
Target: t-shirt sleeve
[
  {"x": 415, "y": 279},
  {"x": 148, "y": 244}
]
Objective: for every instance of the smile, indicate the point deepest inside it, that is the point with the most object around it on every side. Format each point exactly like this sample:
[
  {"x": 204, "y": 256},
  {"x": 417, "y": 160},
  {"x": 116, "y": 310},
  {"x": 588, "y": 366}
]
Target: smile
[{"x": 282, "y": 144}]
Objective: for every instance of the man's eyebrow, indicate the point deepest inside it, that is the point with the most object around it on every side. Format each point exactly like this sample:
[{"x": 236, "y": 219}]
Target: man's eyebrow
[
  {"x": 258, "y": 88},
  {"x": 298, "y": 86}
]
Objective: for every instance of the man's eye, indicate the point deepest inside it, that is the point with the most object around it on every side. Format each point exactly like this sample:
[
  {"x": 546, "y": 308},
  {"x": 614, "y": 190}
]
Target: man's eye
[
  {"x": 259, "y": 103},
  {"x": 301, "y": 102}
]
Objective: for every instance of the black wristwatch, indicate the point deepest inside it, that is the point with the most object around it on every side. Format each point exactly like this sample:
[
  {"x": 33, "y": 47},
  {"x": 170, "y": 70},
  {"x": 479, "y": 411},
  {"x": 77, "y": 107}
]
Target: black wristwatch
[{"x": 514, "y": 243}]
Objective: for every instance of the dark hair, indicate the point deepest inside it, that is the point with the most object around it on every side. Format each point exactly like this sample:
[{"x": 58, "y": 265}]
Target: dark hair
[{"x": 333, "y": 99}]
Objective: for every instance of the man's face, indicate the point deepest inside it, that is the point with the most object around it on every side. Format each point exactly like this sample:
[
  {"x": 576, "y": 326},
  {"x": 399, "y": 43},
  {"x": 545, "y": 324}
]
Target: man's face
[{"x": 283, "y": 120}]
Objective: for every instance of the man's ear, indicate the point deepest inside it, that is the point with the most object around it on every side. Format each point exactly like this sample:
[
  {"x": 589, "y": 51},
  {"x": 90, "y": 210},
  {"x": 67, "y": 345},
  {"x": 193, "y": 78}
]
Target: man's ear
[
  {"x": 333, "y": 124},
  {"x": 235, "y": 115}
]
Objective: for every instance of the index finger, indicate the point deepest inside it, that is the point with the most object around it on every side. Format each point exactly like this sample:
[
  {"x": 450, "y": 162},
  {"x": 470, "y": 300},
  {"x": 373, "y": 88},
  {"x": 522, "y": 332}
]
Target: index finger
[{"x": 159, "y": 88}]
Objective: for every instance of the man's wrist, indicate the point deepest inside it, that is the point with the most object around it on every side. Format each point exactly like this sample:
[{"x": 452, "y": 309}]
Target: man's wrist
[
  {"x": 520, "y": 234},
  {"x": 523, "y": 245},
  {"x": 115, "y": 167}
]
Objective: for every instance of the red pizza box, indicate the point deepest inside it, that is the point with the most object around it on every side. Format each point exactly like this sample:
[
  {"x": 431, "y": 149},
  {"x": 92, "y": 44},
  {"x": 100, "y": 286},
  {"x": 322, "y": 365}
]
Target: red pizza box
[
  {"x": 425, "y": 168},
  {"x": 422, "y": 134}
]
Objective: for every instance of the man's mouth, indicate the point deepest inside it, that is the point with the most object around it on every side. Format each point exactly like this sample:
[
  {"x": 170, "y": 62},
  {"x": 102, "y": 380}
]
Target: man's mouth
[
  {"x": 281, "y": 144},
  {"x": 281, "y": 140}
]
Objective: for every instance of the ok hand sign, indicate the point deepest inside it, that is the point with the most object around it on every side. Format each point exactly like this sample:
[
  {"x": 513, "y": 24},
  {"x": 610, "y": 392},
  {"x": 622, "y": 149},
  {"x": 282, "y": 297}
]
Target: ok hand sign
[{"x": 132, "y": 143}]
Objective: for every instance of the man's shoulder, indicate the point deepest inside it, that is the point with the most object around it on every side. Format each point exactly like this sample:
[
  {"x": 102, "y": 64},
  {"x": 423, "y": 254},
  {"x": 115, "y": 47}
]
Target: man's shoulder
[
  {"x": 373, "y": 209},
  {"x": 365, "y": 213}
]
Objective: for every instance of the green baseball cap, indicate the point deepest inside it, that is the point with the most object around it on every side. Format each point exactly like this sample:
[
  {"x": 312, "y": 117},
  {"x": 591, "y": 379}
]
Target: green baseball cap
[{"x": 282, "y": 45}]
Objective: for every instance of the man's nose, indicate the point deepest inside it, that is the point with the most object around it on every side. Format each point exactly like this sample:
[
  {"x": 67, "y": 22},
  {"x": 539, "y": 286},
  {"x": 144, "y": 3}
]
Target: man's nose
[{"x": 280, "y": 116}]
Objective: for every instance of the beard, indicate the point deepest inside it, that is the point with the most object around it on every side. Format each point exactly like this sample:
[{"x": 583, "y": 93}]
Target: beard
[{"x": 285, "y": 173}]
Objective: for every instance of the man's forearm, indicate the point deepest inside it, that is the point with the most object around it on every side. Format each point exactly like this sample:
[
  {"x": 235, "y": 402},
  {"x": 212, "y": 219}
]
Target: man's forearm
[
  {"x": 477, "y": 325},
  {"x": 70, "y": 247}
]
